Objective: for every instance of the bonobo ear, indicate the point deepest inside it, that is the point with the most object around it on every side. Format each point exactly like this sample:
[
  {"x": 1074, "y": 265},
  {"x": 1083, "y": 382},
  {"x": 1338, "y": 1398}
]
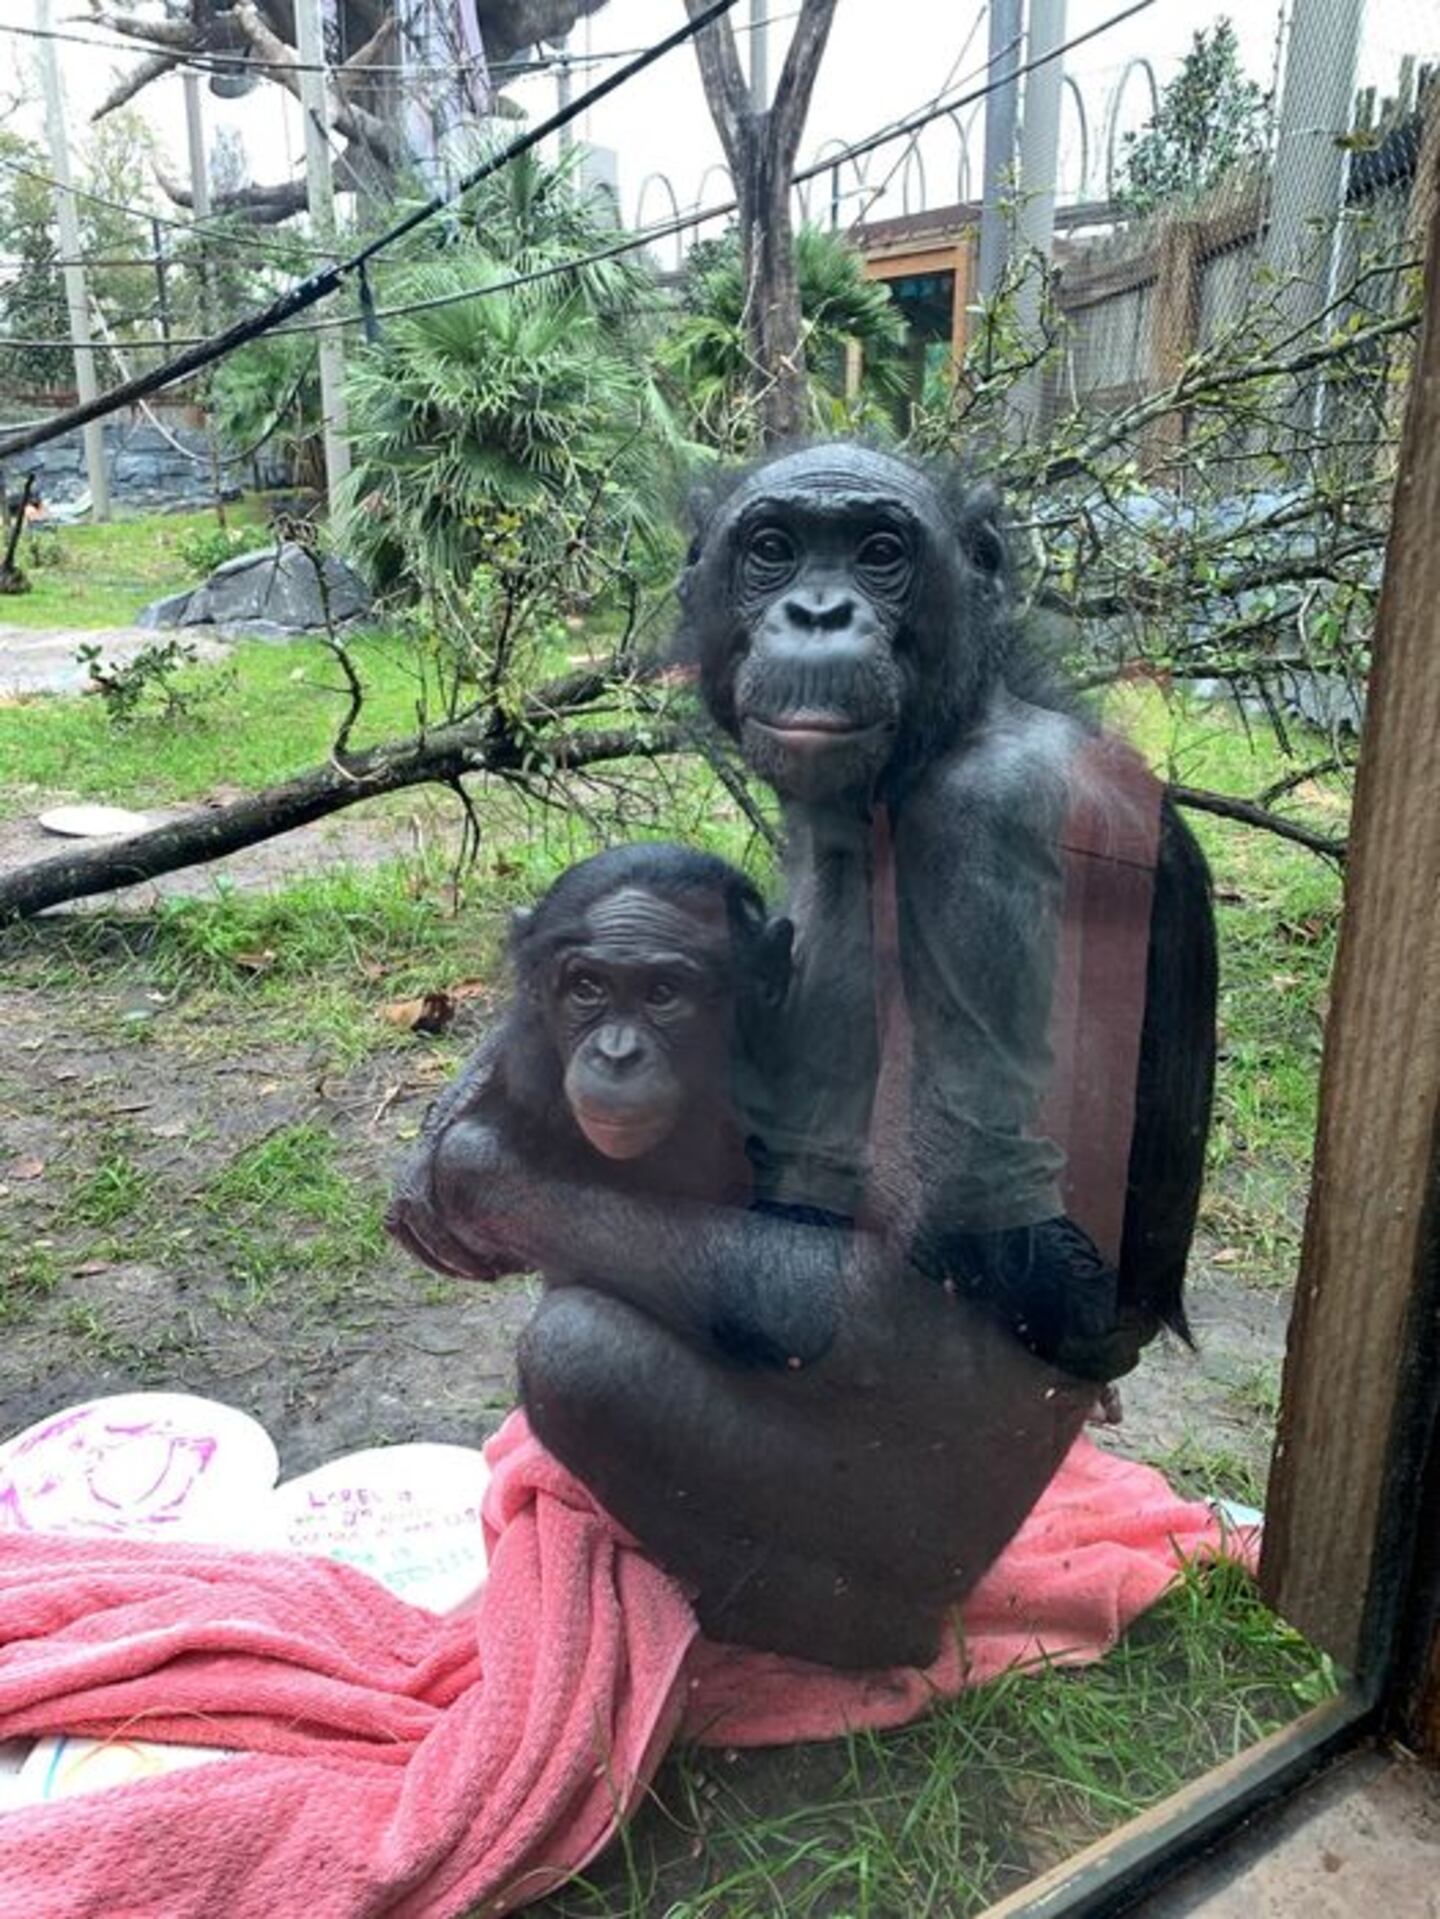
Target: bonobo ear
[
  {"x": 700, "y": 509},
  {"x": 773, "y": 951},
  {"x": 520, "y": 921},
  {"x": 982, "y": 539}
]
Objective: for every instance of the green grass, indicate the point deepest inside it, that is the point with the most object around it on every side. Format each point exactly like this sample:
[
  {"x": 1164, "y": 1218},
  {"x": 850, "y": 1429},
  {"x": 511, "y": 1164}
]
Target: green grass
[
  {"x": 28, "y": 1274},
  {"x": 290, "y": 1213},
  {"x": 944, "y": 1816},
  {"x": 268, "y": 712},
  {"x": 114, "y": 1190},
  {"x": 97, "y": 576}
]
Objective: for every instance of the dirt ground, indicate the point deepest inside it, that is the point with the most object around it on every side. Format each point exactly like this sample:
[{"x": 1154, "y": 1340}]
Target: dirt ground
[{"x": 356, "y": 1345}]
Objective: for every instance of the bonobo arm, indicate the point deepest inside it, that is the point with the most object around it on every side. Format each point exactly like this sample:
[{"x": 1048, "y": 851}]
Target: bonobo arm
[
  {"x": 762, "y": 1288},
  {"x": 981, "y": 952}
]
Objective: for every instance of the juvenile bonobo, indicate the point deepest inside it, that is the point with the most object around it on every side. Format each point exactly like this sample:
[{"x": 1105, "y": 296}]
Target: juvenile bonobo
[
  {"x": 642, "y": 977},
  {"x": 854, "y": 622}
]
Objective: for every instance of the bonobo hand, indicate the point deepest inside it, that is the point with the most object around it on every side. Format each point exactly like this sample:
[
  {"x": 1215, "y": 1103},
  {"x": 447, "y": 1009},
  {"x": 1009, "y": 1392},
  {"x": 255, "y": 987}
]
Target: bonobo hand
[{"x": 1048, "y": 1284}]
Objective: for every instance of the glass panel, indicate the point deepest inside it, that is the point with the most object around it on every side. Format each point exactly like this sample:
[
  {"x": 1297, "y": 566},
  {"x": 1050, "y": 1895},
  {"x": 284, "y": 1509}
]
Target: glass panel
[{"x": 821, "y": 1081}]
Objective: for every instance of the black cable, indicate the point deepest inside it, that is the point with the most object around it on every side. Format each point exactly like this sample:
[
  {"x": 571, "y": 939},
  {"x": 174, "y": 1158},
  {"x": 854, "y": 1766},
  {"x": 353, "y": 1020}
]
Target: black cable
[
  {"x": 307, "y": 292},
  {"x": 211, "y": 237},
  {"x": 271, "y": 317}
]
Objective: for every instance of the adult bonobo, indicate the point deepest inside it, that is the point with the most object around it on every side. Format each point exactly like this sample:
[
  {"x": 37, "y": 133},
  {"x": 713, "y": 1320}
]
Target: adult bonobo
[
  {"x": 826, "y": 1445},
  {"x": 854, "y": 622},
  {"x": 854, "y": 632}
]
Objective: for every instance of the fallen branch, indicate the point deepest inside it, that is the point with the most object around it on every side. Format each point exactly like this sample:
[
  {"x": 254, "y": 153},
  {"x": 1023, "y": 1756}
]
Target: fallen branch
[{"x": 482, "y": 744}]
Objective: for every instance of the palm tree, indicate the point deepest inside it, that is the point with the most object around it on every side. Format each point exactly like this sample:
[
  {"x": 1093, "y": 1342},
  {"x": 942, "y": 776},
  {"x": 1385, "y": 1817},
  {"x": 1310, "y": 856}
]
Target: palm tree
[
  {"x": 706, "y": 355},
  {"x": 505, "y": 426}
]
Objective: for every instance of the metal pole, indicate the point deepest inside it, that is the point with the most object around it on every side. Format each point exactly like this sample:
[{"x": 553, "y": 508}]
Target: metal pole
[
  {"x": 1308, "y": 178},
  {"x": 200, "y": 207},
  {"x": 759, "y": 56},
  {"x": 1000, "y": 120},
  {"x": 162, "y": 286},
  {"x": 1039, "y": 163},
  {"x": 314, "y": 103},
  {"x": 76, "y": 296},
  {"x": 564, "y": 93}
]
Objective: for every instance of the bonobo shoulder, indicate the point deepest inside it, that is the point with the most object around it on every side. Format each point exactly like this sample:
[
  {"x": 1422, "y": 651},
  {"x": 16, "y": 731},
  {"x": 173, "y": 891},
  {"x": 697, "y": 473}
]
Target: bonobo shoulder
[{"x": 1013, "y": 764}]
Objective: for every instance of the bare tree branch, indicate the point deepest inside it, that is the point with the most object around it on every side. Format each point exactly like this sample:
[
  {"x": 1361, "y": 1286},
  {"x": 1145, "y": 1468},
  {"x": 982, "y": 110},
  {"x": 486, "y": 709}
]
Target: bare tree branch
[
  {"x": 138, "y": 78},
  {"x": 725, "y": 86},
  {"x": 1301, "y": 776},
  {"x": 797, "y": 81},
  {"x": 262, "y": 205},
  {"x": 352, "y": 122},
  {"x": 1226, "y": 807},
  {"x": 483, "y": 744}
]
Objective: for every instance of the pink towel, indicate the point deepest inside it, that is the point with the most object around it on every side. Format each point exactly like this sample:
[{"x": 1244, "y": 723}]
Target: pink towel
[{"x": 401, "y": 1763}]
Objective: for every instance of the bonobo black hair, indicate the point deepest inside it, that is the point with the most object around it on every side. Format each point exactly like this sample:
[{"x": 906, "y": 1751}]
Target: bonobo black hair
[{"x": 657, "y": 866}]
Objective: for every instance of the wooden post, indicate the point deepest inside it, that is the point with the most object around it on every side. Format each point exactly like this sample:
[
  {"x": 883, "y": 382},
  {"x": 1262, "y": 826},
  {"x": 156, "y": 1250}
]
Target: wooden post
[
  {"x": 310, "y": 43},
  {"x": 1342, "y": 1491},
  {"x": 1174, "y": 326},
  {"x": 964, "y": 296}
]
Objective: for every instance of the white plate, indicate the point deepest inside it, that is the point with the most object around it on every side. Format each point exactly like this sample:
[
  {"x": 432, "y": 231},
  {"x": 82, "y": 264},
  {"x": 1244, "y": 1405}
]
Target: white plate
[{"x": 92, "y": 822}]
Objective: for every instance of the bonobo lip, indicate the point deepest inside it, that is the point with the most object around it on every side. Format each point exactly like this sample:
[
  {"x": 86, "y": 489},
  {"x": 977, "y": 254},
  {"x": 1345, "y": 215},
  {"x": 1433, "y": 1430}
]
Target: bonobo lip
[
  {"x": 621, "y": 1138},
  {"x": 815, "y": 729}
]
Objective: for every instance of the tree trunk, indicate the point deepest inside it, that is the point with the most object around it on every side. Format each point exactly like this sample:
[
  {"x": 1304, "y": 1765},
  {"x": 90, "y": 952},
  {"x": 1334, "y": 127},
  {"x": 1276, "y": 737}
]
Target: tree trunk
[
  {"x": 760, "y": 149},
  {"x": 777, "y": 344}
]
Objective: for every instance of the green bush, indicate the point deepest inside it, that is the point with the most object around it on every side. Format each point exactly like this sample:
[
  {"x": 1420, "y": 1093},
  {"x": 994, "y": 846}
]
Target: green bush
[{"x": 206, "y": 547}]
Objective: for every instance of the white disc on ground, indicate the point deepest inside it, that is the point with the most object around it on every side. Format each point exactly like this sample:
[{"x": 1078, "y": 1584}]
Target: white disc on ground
[{"x": 92, "y": 822}]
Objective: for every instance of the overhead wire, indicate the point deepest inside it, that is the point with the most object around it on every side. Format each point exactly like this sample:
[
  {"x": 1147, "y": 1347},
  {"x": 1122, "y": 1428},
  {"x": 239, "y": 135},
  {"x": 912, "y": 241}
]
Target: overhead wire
[
  {"x": 330, "y": 279},
  {"x": 208, "y": 60},
  {"x": 660, "y": 230},
  {"x": 224, "y": 236},
  {"x": 935, "y": 99}
]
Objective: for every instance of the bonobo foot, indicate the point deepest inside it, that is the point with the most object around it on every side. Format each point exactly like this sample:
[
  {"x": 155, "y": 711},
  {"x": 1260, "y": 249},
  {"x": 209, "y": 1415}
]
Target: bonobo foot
[{"x": 1109, "y": 1407}]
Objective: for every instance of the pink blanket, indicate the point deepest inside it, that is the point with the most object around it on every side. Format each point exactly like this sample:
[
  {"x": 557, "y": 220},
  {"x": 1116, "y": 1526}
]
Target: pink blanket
[{"x": 397, "y": 1762}]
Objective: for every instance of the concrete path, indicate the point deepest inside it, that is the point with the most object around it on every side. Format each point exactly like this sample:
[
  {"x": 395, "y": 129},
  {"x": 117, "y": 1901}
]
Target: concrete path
[{"x": 42, "y": 659}]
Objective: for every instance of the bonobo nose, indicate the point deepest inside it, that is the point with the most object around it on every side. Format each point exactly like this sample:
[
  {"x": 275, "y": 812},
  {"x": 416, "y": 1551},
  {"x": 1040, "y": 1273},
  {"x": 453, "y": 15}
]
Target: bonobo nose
[
  {"x": 819, "y": 613},
  {"x": 619, "y": 1048}
]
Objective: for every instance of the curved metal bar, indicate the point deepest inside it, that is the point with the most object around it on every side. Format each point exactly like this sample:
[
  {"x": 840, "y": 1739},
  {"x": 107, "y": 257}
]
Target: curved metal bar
[
  {"x": 640, "y": 203},
  {"x": 715, "y": 166},
  {"x": 913, "y": 158},
  {"x": 1072, "y": 85},
  {"x": 963, "y": 175},
  {"x": 803, "y": 190},
  {"x": 1117, "y": 99}
]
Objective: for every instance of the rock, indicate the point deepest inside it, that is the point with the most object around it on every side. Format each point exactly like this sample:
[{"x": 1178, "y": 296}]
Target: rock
[
  {"x": 167, "y": 612},
  {"x": 271, "y": 591}
]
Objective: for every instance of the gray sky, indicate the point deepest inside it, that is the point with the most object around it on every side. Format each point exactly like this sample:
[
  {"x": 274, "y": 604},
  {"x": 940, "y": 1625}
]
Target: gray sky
[{"x": 886, "y": 58}]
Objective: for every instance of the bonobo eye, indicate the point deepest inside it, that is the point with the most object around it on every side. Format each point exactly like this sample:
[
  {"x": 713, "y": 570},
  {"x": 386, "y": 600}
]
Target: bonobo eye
[
  {"x": 883, "y": 560},
  {"x": 583, "y": 989},
  {"x": 769, "y": 560},
  {"x": 661, "y": 996}
]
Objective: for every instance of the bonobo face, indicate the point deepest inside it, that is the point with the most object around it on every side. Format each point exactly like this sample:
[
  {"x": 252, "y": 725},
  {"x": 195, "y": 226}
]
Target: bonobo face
[
  {"x": 641, "y": 1008},
  {"x": 824, "y": 551}
]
